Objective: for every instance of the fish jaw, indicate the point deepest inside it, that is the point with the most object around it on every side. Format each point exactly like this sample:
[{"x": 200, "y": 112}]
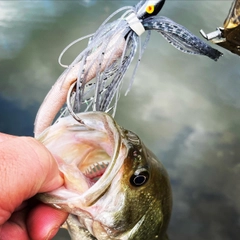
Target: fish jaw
[
  {"x": 97, "y": 142},
  {"x": 128, "y": 212}
]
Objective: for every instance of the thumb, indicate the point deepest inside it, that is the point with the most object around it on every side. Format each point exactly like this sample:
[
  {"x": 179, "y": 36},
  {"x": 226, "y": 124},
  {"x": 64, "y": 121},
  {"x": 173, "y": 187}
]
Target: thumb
[{"x": 26, "y": 169}]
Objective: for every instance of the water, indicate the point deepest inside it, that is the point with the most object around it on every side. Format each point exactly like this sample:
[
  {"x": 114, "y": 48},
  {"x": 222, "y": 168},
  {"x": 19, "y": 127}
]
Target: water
[{"x": 185, "y": 108}]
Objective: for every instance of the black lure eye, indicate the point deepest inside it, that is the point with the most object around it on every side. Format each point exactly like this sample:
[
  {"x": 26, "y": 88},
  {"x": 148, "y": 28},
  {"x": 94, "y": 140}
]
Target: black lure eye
[{"x": 139, "y": 178}]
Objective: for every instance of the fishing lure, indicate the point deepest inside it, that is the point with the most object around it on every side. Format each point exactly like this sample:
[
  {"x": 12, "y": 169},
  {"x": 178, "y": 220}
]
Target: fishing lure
[
  {"x": 228, "y": 36},
  {"x": 94, "y": 78}
]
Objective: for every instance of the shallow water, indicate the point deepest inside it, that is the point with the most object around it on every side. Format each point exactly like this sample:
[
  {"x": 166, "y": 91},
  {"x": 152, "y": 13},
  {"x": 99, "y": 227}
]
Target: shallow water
[{"x": 185, "y": 108}]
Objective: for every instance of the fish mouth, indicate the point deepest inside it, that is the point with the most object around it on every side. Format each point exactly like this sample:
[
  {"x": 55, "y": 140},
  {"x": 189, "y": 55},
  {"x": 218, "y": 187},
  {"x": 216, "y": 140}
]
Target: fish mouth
[
  {"x": 95, "y": 171},
  {"x": 91, "y": 154}
]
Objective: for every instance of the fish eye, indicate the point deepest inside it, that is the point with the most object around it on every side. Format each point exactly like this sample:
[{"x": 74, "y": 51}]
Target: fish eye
[{"x": 139, "y": 178}]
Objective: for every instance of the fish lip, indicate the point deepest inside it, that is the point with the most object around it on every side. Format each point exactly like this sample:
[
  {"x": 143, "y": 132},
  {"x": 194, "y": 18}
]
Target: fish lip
[
  {"x": 93, "y": 193},
  {"x": 98, "y": 121}
]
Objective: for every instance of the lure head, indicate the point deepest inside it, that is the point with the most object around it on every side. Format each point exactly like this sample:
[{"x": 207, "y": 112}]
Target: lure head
[{"x": 149, "y": 8}]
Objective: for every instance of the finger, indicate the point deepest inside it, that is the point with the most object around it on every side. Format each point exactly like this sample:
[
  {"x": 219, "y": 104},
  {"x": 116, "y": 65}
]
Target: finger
[
  {"x": 15, "y": 228},
  {"x": 26, "y": 168},
  {"x": 44, "y": 222},
  {"x": 4, "y": 137}
]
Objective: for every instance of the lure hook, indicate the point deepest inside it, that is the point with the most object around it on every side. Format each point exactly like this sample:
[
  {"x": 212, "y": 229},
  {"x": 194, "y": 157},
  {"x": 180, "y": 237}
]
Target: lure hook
[{"x": 71, "y": 91}]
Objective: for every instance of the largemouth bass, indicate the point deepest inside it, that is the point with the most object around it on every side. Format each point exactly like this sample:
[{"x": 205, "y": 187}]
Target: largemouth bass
[{"x": 115, "y": 188}]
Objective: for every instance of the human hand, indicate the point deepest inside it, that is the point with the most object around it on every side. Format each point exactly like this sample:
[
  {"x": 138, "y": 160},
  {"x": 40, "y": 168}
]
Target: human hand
[{"x": 27, "y": 168}]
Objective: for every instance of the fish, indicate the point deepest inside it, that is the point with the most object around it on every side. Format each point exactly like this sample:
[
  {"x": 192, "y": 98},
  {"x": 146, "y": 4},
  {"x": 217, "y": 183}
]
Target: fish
[
  {"x": 115, "y": 188},
  {"x": 228, "y": 36}
]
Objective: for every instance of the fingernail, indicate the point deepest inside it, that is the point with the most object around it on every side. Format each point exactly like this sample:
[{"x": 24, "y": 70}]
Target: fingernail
[{"x": 52, "y": 233}]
